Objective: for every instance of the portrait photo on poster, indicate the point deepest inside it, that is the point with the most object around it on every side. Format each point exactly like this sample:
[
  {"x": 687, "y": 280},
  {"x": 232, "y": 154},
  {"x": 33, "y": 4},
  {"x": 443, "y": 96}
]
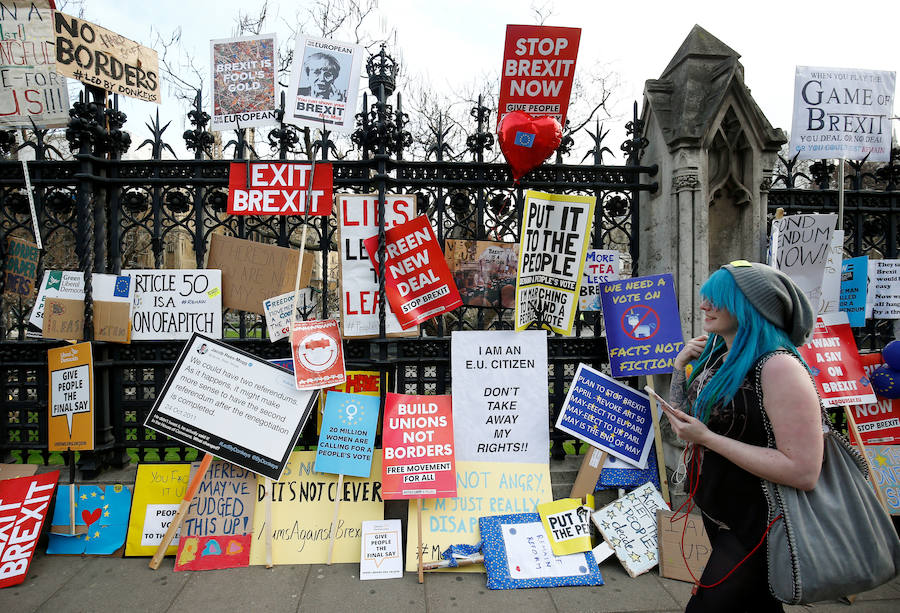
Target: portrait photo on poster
[{"x": 324, "y": 83}]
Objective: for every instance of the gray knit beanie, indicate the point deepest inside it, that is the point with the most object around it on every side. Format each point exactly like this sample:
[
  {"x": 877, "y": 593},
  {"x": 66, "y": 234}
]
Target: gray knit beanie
[{"x": 776, "y": 297}]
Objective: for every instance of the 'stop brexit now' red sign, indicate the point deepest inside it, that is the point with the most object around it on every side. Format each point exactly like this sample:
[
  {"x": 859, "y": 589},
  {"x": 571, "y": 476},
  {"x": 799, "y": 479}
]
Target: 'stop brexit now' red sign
[{"x": 279, "y": 188}]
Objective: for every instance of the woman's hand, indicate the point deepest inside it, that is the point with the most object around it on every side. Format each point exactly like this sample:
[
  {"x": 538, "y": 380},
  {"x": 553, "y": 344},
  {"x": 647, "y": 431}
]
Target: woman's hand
[
  {"x": 687, "y": 428},
  {"x": 691, "y": 351}
]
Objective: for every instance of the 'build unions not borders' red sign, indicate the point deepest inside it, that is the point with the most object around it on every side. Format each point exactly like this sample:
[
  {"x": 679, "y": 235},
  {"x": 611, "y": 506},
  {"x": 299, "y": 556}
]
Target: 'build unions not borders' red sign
[{"x": 279, "y": 188}]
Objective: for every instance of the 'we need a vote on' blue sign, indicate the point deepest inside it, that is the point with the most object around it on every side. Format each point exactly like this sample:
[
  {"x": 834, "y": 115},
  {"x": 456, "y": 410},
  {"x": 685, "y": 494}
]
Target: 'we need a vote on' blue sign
[{"x": 608, "y": 415}]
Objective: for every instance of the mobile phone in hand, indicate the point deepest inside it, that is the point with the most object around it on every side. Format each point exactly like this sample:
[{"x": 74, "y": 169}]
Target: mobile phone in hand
[{"x": 662, "y": 401}]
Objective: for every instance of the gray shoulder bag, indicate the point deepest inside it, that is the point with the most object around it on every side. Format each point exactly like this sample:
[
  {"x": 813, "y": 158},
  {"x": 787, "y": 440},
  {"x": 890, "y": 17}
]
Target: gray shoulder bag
[{"x": 834, "y": 540}]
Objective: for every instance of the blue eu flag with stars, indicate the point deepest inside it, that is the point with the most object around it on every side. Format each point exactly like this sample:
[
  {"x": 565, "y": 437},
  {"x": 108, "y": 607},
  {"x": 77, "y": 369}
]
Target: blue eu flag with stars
[{"x": 524, "y": 139}]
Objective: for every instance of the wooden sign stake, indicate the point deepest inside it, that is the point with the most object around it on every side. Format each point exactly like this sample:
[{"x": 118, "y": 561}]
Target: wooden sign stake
[
  {"x": 334, "y": 519},
  {"x": 268, "y": 493},
  {"x": 657, "y": 435},
  {"x": 192, "y": 488},
  {"x": 421, "y": 547},
  {"x": 71, "y": 492}
]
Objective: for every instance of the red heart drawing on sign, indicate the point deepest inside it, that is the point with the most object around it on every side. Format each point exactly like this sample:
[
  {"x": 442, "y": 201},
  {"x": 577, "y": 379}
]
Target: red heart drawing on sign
[
  {"x": 90, "y": 517},
  {"x": 526, "y": 141}
]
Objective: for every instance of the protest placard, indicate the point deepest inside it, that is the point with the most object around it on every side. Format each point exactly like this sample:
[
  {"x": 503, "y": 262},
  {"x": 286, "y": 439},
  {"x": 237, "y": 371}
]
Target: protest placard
[
  {"x": 854, "y": 279},
  {"x": 418, "y": 283},
  {"x": 365, "y": 382},
  {"x": 278, "y": 311},
  {"x": 679, "y": 542},
  {"x": 600, "y": 266},
  {"x": 243, "y": 82},
  {"x": 14, "y": 471},
  {"x": 419, "y": 459},
  {"x": 25, "y": 502},
  {"x": 877, "y": 422},
  {"x": 302, "y": 505},
  {"x": 175, "y": 304},
  {"x": 538, "y": 70},
  {"x": 567, "y": 523},
  {"x": 552, "y": 249},
  {"x": 324, "y": 84},
  {"x": 32, "y": 89},
  {"x": 831, "y": 279},
  {"x": 228, "y": 402},
  {"x": 381, "y": 556},
  {"x": 158, "y": 489},
  {"x": 643, "y": 328},
  {"x": 348, "y": 434},
  {"x": 484, "y": 271},
  {"x": 357, "y": 221},
  {"x": 842, "y": 113},
  {"x": 885, "y": 462},
  {"x": 101, "y": 516},
  {"x": 500, "y": 407},
  {"x": 629, "y": 526},
  {"x": 832, "y": 357},
  {"x": 483, "y": 488},
  {"x": 318, "y": 354},
  {"x": 99, "y": 57},
  {"x": 20, "y": 269},
  {"x": 608, "y": 415},
  {"x": 279, "y": 188},
  {"x": 71, "y": 399},
  {"x": 253, "y": 272},
  {"x": 800, "y": 248},
  {"x": 113, "y": 296},
  {"x": 883, "y": 299}
]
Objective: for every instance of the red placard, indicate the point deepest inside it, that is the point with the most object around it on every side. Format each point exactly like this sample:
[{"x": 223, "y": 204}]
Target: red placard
[
  {"x": 419, "y": 458},
  {"x": 318, "y": 354},
  {"x": 418, "y": 282},
  {"x": 23, "y": 506},
  {"x": 834, "y": 361},
  {"x": 278, "y": 188},
  {"x": 878, "y": 422},
  {"x": 538, "y": 71},
  {"x": 213, "y": 552}
]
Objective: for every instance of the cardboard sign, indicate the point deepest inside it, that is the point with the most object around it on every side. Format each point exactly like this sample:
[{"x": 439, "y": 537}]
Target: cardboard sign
[
  {"x": 279, "y": 188},
  {"x": 538, "y": 70},
  {"x": 842, "y": 113},
  {"x": 348, "y": 434},
  {"x": 303, "y": 509},
  {"x": 20, "y": 270},
  {"x": 71, "y": 399},
  {"x": 673, "y": 552},
  {"x": 99, "y": 57},
  {"x": 885, "y": 461},
  {"x": 175, "y": 304},
  {"x": 484, "y": 271},
  {"x": 643, "y": 328},
  {"x": 24, "y": 503},
  {"x": 629, "y": 526},
  {"x": 278, "y": 311},
  {"x": 113, "y": 296},
  {"x": 158, "y": 490},
  {"x": 357, "y": 221},
  {"x": 832, "y": 357},
  {"x": 101, "y": 520},
  {"x": 552, "y": 249},
  {"x": 600, "y": 266},
  {"x": 567, "y": 523},
  {"x": 32, "y": 89},
  {"x": 243, "y": 82},
  {"x": 800, "y": 248},
  {"x": 883, "y": 300},
  {"x": 418, "y": 283},
  {"x": 253, "y": 272},
  {"x": 878, "y": 422},
  {"x": 228, "y": 402},
  {"x": 500, "y": 408},
  {"x": 854, "y": 277},
  {"x": 483, "y": 488},
  {"x": 14, "y": 471},
  {"x": 381, "y": 557},
  {"x": 418, "y": 447},
  {"x": 608, "y": 415},
  {"x": 324, "y": 84},
  {"x": 318, "y": 354}
]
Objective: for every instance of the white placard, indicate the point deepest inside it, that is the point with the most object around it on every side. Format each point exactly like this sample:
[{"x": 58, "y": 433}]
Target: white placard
[
  {"x": 174, "y": 304},
  {"x": 69, "y": 285},
  {"x": 529, "y": 555},
  {"x": 156, "y": 522},
  {"x": 883, "y": 295},
  {"x": 278, "y": 311},
  {"x": 324, "y": 84},
  {"x": 600, "y": 266},
  {"x": 381, "y": 557},
  {"x": 500, "y": 406},
  {"x": 800, "y": 249},
  {"x": 830, "y": 301}
]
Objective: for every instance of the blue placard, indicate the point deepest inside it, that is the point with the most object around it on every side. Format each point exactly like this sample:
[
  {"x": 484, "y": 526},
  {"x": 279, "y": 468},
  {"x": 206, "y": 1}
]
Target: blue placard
[
  {"x": 854, "y": 273},
  {"x": 608, "y": 415},
  {"x": 643, "y": 328},
  {"x": 348, "y": 434}
]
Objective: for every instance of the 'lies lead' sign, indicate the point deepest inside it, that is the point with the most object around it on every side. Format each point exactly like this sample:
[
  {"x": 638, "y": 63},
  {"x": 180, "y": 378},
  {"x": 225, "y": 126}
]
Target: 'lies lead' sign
[{"x": 279, "y": 188}]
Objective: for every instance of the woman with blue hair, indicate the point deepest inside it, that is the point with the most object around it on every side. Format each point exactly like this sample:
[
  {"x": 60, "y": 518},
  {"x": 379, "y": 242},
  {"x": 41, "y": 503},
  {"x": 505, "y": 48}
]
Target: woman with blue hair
[{"x": 754, "y": 317}]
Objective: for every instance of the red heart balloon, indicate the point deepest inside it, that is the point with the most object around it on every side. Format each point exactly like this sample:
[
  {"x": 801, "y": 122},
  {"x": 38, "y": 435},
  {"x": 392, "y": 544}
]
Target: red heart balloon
[
  {"x": 90, "y": 517},
  {"x": 526, "y": 141}
]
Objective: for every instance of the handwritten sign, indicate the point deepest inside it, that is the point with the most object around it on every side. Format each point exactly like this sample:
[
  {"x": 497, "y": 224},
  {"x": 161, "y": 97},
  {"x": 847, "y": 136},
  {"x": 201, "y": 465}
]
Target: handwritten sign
[
  {"x": 99, "y": 57},
  {"x": 629, "y": 526},
  {"x": 112, "y": 294},
  {"x": 883, "y": 300},
  {"x": 854, "y": 276},
  {"x": 885, "y": 461},
  {"x": 600, "y": 266},
  {"x": 278, "y": 311},
  {"x": 831, "y": 279},
  {"x": 243, "y": 82},
  {"x": 25, "y": 502},
  {"x": 175, "y": 304},
  {"x": 878, "y": 422},
  {"x": 673, "y": 550},
  {"x": 158, "y": 490},
  {"x": 20, "y": 270},
  {"x": 71, "y": 400},
  {"x": 567, "y": 524},
  {"x": 800, "y": 248},
  {"x": 552, "y": 251},
  {"x": 381, "y": 557},
  {"x": 500, "y": 408},
  {"x": 279, "y": 188},
  {"x": 348, "y": 434}
]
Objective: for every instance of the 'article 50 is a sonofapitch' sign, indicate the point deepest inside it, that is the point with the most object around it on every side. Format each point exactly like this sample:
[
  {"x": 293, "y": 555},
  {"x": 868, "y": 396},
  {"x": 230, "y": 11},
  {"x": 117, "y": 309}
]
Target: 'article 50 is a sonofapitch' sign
[{"x": 279, "y": 188}]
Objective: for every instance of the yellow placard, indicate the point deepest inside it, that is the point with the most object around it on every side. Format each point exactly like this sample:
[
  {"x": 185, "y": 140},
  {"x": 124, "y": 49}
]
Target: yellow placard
[
  {"x": 71, "y": 398},
  {"x": 568, "y": 525},
  {"x": 303, "y": 509},
  {"x": 483, "y": 488},
  {"x": 158, "y": 490}
]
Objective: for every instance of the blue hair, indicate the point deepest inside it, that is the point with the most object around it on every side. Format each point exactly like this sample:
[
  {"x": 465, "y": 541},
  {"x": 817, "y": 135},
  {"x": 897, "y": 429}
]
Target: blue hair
[{"x": 755, "y": 337}]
